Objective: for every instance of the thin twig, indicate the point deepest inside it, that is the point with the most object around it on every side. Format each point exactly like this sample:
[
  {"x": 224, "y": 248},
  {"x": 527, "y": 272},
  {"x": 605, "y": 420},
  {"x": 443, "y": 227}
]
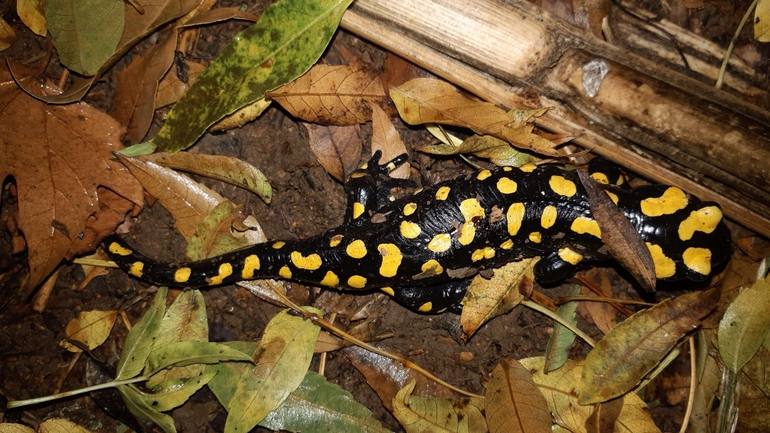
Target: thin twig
[
  {"x": 552, "y": 315},
  {"x": 721, "y": 75}
]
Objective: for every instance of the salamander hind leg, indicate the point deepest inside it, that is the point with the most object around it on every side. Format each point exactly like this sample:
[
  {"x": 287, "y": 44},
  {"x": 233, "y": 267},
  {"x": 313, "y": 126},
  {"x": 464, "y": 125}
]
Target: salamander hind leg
[
  {"x": 368, "y": 187},
  {"x": 435, "y": 299}
]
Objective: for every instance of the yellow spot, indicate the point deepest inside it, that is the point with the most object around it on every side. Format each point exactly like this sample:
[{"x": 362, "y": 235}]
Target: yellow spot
[
  {"x": 672, "y": 200},
  {"x": 225, "y": 270},
  {"x": 310, "y": 263},
  {"x": 250, "y": 264},
  {"x": 613, "y": 196},
  {"x": 442, "y": 193},
  {"x": 278, "y": 245},
  {"x": 621, "y": 180},
  {"x": 489, "y": 253},
  {"x": 136, "y": 269},
  {"x": 391, "y": 259},
  {"x": 471, "y": 210},
  {"x": 528, "y": 167},
  {"x": 388, "y": 290},
  {"x": 506, "y": 185},
  {"x": 507, "y": 245},
  {"x": 364, "y": 166},
  {"x": 548, "y": 218},
  {"x": 483, "y": 174},
  {"x": 390, "y": 166},
  {"x": 426, "y": 307},
  {"x": 432, "y": 266},
  {"x": 664, "y": 266},
  {"x": 410, "y": 230},
  {"x": 698, "y": 260},
  {"x": 601, "y": 178},
  {"x": 535, "y": 237},
  {"x": 440, "y": 243},
  {"x": 562, "y": 186},
  {"x": 356, "y": 249},
  {"x": 477, "y": 255},
  {"x": 515, "y": 215},
  {"x": 358, "y": 209},
  {"x": 116, "y": 248},
  {"x": 357, "y": 175},
  {"x": 330, "y": 279},
  {"x": 410, "y": 208},
  {"x": 569, "y": 256},
  {"x": 357, "y": 282},
  {"x": 702, "y": 220},
  {"x": 335, "y": 240},
  {"x": 285, "y": 272},
  {"x": 182, "y": 275},
  {"x": 507, "y": 168},
  {"x": 582, "y": 225}
]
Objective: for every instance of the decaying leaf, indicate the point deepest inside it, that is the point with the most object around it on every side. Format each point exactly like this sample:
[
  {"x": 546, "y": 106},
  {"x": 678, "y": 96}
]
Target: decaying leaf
[
  {"x": 420, "y": 414},
  {"x": 242, "y": 116},
  {"x": 188, "y": 201},
  {"x": 31, "y": 14},
  {"x": 7, "y": 35},
  {"x": 498, "y": 151},
  {"x": 557, "y": 348},
  {"x": 754, "y": 403},
  {"x": 385, "y": 138},
  {"x": 745, "y": 325},
  {"x": 337, "y": 148},
  {"x": 90, "y": 328},
  {"x": 762, "y": 21},
  {"x": 618, "y": 234},
  {"x": 213, "y": 235},
  {"x": 426, "y": 100},
  {"x": 487, "y": 299},
  {"x": 171, "y": 88},
  {"x": 602, "y": 314},
  {"x": 626, "y": 354},
  {"x": 513, "y": 403},
  {"x": 58, "y": 166},
  {"x": 61, "y": 425},
  {"x": 331, "y": 95},
  {"x": 225, "y": 168}
]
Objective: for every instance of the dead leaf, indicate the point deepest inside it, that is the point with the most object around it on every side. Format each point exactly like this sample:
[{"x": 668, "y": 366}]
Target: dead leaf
[
  {"x": 489, "y": 298},
  {"x": 337, "y": 148},
  {"x": 58, "y": 165},
  {"x": 221, "y": 14},
  {"x": 420, "y": 414},
  {"x": 242, "y": 116},
  {"x": 398, "y": 71},
  {"x": 602, "y": 314},
  {"x": 7, "y": 35},
  {"x": 513, "y": 402},
  {"x": 137, "y": 85},
  {"x": 171, "y": 88},
  {"x": 632, "y": 349},
  {"x": 385, "y": 138},
  {"x": 31, "y": 14},
  {"x": 498, "y": 151},
  {"x": 90, "y": 328},
  {"x": 762, "y": 21},
  {"x": 624, "y": 243},
  {"x": 425, "y": 100},
  {"x": 331, "y": 95},
  {"x": 188, "y": 201}
]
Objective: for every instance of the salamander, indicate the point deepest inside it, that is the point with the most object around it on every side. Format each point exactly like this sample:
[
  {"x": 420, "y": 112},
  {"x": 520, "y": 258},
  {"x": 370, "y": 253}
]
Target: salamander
[{"x": 423, "y": 248}]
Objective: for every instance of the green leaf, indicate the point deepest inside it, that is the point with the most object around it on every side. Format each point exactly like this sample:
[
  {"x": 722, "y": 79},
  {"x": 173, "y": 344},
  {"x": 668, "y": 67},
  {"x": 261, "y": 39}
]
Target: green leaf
[
  {"x": 229, "y": 373},
  {"x": 283, "y": 357},
  {"x": 288, "y": 39},
  {"x": 213, "y": 236},
  {"x": 317, "y": 405},
  {"x": 85, "y": 32},
  {"x": 177, "y": 395},
  {"x": 498, "y": 151},
  {"x": 192, "y": 352},
  {"x": 557, "y": 348},
  {"x": 185, "y": 320},
  {"x": 140, "y": 408},
  {"x": 140, "y": 339},
  {"x": 745, "y": 325}
]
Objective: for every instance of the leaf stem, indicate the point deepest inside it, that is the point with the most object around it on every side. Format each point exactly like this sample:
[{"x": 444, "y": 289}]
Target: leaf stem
[
  {"x": 721, "y": 75},
  {"x": 554, "y": 316},
  {"x": 113, "y": 384}
]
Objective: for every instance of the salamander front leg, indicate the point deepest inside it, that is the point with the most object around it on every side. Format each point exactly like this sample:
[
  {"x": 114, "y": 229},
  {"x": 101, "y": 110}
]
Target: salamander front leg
[
  {"x": 368, "y": 187},
  {"x": 435, "y": 299}
]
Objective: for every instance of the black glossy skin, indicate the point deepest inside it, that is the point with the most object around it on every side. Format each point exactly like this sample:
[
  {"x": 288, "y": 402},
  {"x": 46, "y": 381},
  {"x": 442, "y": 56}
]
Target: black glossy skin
[{"x": 378, "y": 228}]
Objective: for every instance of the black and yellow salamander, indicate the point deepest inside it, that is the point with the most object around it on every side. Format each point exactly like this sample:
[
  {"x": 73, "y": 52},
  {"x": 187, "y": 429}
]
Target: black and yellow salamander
[{"x": 423, "y": 248}]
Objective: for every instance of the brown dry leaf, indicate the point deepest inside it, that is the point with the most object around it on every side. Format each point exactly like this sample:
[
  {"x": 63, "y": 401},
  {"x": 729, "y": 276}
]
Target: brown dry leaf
[
  {"x": 602, "y": 314},
  {"x": 31, "y": 14},
  {"x": 487, "y": 299},
  {"x": 7, "y": 35},
  {"x": 137, "y": 85},
  {"x": 267, "y": 290},
  {"x": 398, "y": 71},
  {"x": 604, "y": 416},
  {"x": 61, "y": 425},
  {"x": 171, "y": 88},
  {"x": 632, "y": 349},
  {"x": 224, "y": 168},
  {"x": 59, "y": 156},
  {"x": 221, "y": 14},
  {"x": 559, "y": 389},
  {"x": 754, "y": 403},
  {"x": 618, "y": 234},
  {"x": 331, "y": 95},
  {"x": 589, "y": 14},
  {"x": 90, "y": 328},
  {"x": 385, "y": 138},
  {"x": 420, "y": 414},
  {"x": 188, "y": 201},
  {"x": 513, "y": 402},
  {"x": 426, "y": 100},
  {"x": 387, "y": 376},
  {"x": 242, "y": 116},
  {"x": 337, "y": 148},
  {"x": 112, "y": 211},
  {"x": 497, "y": 151}
]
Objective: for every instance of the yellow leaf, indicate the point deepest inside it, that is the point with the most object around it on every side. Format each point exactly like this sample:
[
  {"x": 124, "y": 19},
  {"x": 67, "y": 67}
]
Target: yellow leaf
[
  {"x": 762, "y": 21},
  {"x": 7, "y": 35},
  {"x": 90, "y": 328},
  {"x": 513, "y": 402},
  {"x": 421, "y": 414},
  {"x": 31, "y": 14}
]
